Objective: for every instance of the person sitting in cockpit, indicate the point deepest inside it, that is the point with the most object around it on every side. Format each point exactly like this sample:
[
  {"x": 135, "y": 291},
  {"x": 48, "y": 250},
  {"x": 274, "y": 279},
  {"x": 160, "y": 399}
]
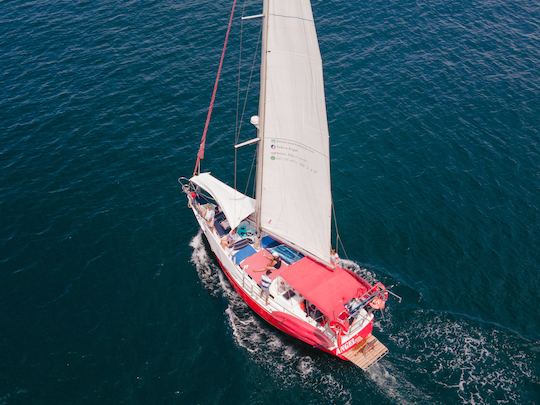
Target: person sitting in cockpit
[{"x": 275, "y": 262}]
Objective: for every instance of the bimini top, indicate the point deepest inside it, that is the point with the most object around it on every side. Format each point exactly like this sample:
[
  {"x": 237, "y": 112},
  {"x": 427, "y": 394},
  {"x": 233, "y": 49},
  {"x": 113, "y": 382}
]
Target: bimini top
[
  {"x": 235, "y": 205},
  {"x": 328, "y": 290}
]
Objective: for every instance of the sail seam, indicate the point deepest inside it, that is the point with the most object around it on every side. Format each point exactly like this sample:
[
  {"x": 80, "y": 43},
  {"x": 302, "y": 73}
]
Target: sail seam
[{"x": 292, "y": 17}]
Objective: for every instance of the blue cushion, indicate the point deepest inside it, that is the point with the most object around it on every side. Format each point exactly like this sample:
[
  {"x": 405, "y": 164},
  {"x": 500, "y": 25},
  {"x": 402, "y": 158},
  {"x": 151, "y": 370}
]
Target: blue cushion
[
  {"x": 268, "y": 242},
  {"x": 243, "y": 254},
  {"x": 217, "y": 224},
  {"x": 287, "y": 254}
]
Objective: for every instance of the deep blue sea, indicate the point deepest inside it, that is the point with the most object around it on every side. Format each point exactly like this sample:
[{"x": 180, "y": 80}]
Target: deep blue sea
[{"x": 108, "y": 293}]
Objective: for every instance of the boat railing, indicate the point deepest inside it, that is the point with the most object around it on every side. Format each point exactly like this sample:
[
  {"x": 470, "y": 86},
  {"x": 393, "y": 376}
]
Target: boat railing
[
  {"x": 359, "y": 324},
  {"x": 366, "y": 298},
  {"x": 252, "y": 285},
  {"x": 185, "y": 183},
  {"x": 188, "y": 187}
]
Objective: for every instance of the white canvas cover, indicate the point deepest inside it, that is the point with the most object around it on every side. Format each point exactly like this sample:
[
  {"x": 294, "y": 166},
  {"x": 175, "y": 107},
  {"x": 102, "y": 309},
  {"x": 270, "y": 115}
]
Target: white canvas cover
[
  {"x": 235, "y": 205},
  {"x": 295, "y": 193}
]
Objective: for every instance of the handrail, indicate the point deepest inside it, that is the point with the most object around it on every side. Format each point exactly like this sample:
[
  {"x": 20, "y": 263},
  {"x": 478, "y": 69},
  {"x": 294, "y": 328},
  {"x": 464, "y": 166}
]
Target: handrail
[
  {"x": 186, "y": 188},
  {"x": 357, "y": 327},
  {"x": 257, "y": 297},
  {"x": 200, "y": 154}
]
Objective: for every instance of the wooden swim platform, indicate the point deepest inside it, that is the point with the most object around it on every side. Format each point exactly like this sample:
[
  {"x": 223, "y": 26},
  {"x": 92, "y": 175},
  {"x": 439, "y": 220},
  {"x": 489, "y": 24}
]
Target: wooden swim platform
[{"x": 367, "y": 352}]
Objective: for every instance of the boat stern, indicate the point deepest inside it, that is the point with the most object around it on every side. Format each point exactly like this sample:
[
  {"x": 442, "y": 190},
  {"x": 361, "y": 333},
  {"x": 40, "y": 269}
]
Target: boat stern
[{"x": 366, "y": 353}]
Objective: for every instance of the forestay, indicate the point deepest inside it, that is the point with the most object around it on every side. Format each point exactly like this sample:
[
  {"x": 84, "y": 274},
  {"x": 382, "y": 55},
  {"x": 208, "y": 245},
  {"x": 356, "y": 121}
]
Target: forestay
[
  {"x": 235, "y": 205},
  {"x": 295, "y": 189}
]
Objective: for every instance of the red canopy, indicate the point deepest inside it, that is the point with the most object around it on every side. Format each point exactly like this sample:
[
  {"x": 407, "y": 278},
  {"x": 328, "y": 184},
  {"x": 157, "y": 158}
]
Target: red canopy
[{"x": 329, "y": 290}]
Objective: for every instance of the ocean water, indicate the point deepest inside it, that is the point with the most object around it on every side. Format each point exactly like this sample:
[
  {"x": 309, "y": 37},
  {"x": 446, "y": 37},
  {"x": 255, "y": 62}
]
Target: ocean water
[{"x": 108, "y": 293}]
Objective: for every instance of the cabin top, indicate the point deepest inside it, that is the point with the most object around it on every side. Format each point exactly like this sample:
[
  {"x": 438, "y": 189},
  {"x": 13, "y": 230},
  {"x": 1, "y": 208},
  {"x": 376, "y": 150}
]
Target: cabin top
[{"x": 329, "y": 290}]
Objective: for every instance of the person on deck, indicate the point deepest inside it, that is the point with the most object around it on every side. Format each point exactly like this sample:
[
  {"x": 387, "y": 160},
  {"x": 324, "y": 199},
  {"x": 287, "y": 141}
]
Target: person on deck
[
  {"x": 265, "y": 285},
  {"x": 314, "y": 313},
  {"x": 275, "y": 262},
  {"x": 209, "y": 216},
  {"x": 227, "y": 241},
  {"x": 334, "y": 258},
  {"x": 201, "y": 209}
]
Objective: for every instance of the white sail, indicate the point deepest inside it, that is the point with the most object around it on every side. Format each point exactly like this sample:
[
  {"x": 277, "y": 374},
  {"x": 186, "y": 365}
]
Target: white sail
[
  {"x": 235, "y": 205},
  {"x": 294, "y": 195}
]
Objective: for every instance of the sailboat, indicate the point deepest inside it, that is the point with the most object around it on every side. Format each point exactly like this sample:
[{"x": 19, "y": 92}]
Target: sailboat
[{"x": 275, "y": 249}]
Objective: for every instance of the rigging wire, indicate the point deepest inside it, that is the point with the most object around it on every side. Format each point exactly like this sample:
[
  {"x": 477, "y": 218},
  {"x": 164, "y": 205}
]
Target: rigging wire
[
  {"x": 253, "y": 63},
  {"x": 241, "y": 120},
  {"x": 200, "y": 154},
  {"x": 251, "y": 171},
  {"x": 236, "y": 132},
  {"x": 339, "y": 241}
]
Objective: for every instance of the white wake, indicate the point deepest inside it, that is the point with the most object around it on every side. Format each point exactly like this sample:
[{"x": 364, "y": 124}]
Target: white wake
[
  {"x": 476, "y": 363},
  {"x": 463, "y": 359}
]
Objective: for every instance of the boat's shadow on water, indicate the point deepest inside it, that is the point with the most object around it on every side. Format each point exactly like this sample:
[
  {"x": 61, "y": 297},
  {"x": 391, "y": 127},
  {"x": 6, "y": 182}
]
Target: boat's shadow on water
[{"x": 461, "y": 358}]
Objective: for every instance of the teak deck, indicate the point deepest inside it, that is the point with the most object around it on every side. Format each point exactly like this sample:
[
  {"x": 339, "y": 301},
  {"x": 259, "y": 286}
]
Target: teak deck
[{"x": 367, "y": 352}]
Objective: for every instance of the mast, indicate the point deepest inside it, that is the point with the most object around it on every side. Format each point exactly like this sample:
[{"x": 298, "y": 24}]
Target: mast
[
  {"x": 200, "y": 153},
  {"x": 262, "y": 105}
]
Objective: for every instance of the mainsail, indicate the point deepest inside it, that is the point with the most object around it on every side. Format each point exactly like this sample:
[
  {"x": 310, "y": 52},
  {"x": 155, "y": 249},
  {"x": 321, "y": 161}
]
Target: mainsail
[{"x": 293, "y": 185}]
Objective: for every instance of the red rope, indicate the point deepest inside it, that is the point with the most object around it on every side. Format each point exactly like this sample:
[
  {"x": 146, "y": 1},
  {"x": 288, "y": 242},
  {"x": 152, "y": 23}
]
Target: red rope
[{"x": 200, "y": 154}]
